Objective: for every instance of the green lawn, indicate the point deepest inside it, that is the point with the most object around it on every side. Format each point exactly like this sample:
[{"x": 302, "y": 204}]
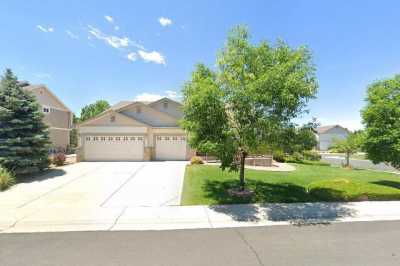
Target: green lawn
[{"x": 309, "y": 183}]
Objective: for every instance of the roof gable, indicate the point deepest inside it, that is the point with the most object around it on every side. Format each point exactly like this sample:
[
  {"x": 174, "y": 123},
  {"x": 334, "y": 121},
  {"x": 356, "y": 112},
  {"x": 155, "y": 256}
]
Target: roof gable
[
  {"x": 112, "y": 118},
  {"x": 46, "y": 97},
  {"x": 325, "y": 129}
]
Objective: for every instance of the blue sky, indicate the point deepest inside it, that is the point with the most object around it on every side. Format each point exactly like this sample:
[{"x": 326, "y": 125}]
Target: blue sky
[{"x": 121, "y": 50}]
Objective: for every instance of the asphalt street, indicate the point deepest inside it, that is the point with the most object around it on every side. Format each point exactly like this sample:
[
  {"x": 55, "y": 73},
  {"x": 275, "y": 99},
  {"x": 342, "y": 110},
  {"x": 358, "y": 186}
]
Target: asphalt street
[{"x": 357, "y": 243}]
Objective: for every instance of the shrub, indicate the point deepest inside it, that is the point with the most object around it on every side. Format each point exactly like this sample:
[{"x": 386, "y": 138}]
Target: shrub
[
  {"x": 7, "y": 179},
  {"x": 59, "y": 159},
  {"x": 311, "y": 155},
  {"x": 196, "y": 160},
  {"x": 279, "y": 156}
]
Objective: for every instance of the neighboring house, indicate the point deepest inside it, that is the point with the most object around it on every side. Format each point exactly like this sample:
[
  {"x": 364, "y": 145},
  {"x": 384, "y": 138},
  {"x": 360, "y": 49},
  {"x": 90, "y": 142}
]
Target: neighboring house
[
  {"x": 135, "y": 131},
  {"x": 327, "y": 134},
  {"x": 56, "y": 115}
]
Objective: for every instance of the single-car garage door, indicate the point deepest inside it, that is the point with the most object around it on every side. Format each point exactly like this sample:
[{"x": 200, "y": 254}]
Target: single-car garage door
[
  {"x": 170, "y": 148},
  {"x": 114, "y": 148}
]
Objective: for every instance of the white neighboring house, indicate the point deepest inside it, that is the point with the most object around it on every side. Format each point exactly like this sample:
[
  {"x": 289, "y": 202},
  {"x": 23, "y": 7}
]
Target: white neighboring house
[{"x": 327, "y": 134}]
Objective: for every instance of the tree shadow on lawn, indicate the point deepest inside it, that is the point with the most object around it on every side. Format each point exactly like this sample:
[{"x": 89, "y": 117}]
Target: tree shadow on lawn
[
  {"x": 40, "y": 176},
  {"x": 273, "y": 199},
  {"x": 388, "y": 183}
]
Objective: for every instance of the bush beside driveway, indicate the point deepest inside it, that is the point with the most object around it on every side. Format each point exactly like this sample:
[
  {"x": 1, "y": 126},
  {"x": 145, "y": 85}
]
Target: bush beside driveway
[{"x": 309, "y": 183}]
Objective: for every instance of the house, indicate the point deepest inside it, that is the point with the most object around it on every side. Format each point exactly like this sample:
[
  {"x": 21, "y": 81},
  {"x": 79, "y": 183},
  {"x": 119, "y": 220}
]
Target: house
[
  {"x": 326, "y": 136},
  {"x": 56, "y": 115},
  {"x": 135, "y": 131}
]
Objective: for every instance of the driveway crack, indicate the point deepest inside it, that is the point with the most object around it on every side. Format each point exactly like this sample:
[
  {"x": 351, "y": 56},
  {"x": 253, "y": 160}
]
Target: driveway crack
[
  {"x": 58, "y": 187},
  {"x": 249, "y": 246},
  {"x": 122, "y": 185},
  {"x": 117, "y": 219}
]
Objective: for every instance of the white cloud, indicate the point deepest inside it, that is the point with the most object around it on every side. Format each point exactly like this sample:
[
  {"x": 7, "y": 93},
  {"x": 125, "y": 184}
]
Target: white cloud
[
  {"x": 148, "y": 97},
  {"x": 151, "y": 97},
  {"x": 109, "y": 19},
  {"x": 114, "y": 41},
  {"x": 44, "y": 29},
  {"x": 172, "y": 94},
  {"x": 131, "y": 56},
  {"x": 71, "y": 35},
  {"x": 165, "y": 21},
  {"x": 153, "y": 56}
]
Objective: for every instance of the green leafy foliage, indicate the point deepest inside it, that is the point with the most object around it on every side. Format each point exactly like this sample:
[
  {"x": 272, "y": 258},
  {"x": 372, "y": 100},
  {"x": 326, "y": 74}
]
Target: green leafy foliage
[
  {"x": 348, "y": 146},
  {"x": 24, "y": 137},
  {"x": 381, "y": 118},
  {"x": 254, "y": 92},
  {"x": 93, "y": 109}
]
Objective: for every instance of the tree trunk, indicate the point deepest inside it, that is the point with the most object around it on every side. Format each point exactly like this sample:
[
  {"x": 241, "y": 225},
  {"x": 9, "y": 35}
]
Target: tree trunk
[
  {"x": 241, "y": 173},
  {"x": 347, "y": 159}
]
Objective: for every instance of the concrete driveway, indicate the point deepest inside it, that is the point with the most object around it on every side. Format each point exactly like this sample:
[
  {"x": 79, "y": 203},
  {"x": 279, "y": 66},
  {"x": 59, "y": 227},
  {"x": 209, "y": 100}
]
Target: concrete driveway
[{"x": 100, "y": 184}]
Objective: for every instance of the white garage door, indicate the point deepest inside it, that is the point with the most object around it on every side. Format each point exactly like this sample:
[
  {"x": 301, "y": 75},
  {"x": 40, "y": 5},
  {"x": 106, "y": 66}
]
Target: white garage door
[
  {"x": 114, "y": 148},
  {"x": 170, "y": 148}
]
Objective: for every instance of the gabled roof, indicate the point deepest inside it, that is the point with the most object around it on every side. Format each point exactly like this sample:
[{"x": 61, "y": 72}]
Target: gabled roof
[
  {"x": 123, "y": 105},
  {"x": 42, "y": 86},
  {"x": 163, "y": 99},
  {"x": 110, "y": 111},
  {"x": 323, "y": 129}
]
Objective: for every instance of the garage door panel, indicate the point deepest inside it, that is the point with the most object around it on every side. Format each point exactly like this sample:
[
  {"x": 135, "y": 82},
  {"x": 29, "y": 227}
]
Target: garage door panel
[
  {"x": 114, "y": 148},
  {"x": 171, "y": 148}
]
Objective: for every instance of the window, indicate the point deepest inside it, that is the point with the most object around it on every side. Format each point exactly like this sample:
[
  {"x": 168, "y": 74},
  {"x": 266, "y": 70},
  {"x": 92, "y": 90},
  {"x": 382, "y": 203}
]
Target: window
[
  {"x": 174, "y": 138},
  {"x": 138, "y": 110},
  {"x": 112, "y": 118},
  {"x": 46, "y": 110},
  {"x": 125, "y": 138},
  {"x": 95, "y": 138},
  {"x": 165, "y": 105},
  {"x": 117, "y": 138},
  {"x": 88, "y": 138},
  {"x": 110, "y": 138},
  {"x": 102, "y": 138},
  {"x": 140, "y": 138},
  {"x": 132, "y": 138}
]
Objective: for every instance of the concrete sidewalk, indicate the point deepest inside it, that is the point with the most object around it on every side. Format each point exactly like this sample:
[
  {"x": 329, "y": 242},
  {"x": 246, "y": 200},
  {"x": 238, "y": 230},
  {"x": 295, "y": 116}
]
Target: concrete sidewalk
[{"x": 54, "y": 219}]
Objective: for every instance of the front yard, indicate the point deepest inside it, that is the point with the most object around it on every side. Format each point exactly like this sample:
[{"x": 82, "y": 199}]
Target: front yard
[{"x": 208, "y": 185}]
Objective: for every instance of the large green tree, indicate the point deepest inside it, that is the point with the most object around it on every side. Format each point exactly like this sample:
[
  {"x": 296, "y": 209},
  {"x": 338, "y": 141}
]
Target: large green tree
[
  {"x": 23, "y": 135},
  {"x": 254, "y": 91},
  {"x": 381, "y": 118},
  {"x": 93, "y": 109}
]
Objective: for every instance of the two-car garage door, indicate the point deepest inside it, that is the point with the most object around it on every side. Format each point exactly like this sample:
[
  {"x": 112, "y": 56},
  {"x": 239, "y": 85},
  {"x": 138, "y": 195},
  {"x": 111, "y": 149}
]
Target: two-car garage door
[
  {"x": 114, "y": 148},
  {"x": 170, "y": 148},
  {"x": 131, "y": 148}
]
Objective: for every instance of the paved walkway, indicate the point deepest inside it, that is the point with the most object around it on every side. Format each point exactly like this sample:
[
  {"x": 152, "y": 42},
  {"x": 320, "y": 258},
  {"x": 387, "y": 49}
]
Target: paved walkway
[
  {"x": 277, "y": 167},
  {"x": 188, "y": 217}
]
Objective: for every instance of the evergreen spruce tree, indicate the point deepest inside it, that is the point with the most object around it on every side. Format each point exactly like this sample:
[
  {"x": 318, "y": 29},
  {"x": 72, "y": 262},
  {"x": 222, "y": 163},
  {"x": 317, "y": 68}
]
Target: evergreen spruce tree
[{"x": 24, "y": 138}]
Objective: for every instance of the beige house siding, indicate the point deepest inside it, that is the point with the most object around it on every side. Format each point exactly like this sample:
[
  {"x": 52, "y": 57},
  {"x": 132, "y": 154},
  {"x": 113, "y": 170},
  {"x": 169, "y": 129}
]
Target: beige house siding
[
  {"x": 59, "y": 137},
  {"x": 58, "y": 118}
]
